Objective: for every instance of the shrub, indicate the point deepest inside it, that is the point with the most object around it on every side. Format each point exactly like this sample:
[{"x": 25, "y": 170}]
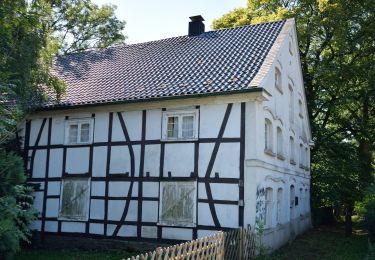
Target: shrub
[
  {"x": 366, "y": 212},
  {"x": 16, "y": 211}
]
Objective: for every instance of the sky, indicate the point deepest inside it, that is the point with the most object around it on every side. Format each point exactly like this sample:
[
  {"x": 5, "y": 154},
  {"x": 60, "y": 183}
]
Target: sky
[{"x": 148, "y": 20}]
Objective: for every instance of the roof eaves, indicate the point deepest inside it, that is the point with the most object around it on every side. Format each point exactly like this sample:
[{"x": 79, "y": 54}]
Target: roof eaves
[{"x": 128, "y": 101}]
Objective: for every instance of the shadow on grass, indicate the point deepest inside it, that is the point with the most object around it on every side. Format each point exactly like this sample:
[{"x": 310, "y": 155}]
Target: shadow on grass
[
  {"x": 72, "y": 254},
  {"x": 325, "y": 242}
]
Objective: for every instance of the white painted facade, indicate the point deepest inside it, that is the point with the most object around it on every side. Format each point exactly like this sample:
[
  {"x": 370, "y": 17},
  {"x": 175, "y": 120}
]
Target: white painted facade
[{"x": 234, "y": 177}]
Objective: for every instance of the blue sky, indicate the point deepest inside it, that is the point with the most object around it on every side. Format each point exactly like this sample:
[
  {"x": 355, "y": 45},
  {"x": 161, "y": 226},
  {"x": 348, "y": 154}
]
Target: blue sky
[{"x": 148, "y": 20}]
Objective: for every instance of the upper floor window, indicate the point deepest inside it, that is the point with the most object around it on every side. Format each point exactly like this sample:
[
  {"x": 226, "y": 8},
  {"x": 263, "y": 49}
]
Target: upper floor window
[
  {"x": 180, "y": 125},
  {"x": 291, "y": 105},
  {"x": 269, "y": 207},
  {"x": 79, "y": 131},
  {"x": 291, "y": 150},
  {"x": 268, "y": 135},
  {"x": 178, "y": 203},
  {"x": 278, "y": 79},
  {"x": 280, "y": 142},
  {"x": 300, "y": 108},
  {"x": 290, "y": 46},
  {"x": 301, "y": 156}
]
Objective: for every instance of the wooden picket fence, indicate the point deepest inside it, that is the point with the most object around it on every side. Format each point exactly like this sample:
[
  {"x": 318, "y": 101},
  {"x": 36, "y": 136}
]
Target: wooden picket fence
[{"x": 235, "y": 244}]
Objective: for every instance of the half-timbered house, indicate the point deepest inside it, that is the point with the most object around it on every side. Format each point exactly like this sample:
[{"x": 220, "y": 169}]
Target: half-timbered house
[{"x": 175, "y": 139}]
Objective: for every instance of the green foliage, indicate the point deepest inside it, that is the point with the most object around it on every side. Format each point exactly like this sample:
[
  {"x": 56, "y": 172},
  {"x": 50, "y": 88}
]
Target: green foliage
[
  {"x": 79, "y": 25},
  {"x": 16, "y": 211},
  {"x": 366, "y": 211}
]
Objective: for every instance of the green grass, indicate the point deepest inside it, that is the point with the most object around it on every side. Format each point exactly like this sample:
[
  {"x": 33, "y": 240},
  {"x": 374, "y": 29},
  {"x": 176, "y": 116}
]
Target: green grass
[
  {"x": 324, "y": 243},
  {"x": 44, "y": 254},
  {"x": 320, "y": 243}
]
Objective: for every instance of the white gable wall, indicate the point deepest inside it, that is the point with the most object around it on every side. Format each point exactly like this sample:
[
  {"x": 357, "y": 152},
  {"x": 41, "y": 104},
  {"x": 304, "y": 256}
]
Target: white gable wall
[{"x": 268, "y": 170}]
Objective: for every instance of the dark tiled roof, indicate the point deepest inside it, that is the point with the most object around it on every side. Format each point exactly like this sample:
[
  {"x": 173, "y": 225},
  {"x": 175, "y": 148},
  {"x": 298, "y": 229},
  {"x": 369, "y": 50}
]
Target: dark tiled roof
[{"x": 215, "y": 61}]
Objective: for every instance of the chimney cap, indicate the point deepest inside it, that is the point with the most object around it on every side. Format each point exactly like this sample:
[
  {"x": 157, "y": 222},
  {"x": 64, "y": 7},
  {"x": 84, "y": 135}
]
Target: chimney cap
[{"x": 196, "y": 18}]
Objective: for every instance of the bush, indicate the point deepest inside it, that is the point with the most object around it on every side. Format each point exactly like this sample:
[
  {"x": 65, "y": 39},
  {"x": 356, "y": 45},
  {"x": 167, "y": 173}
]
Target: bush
[
  {"x": 16, "y": 211},
  {"x": 366, "y": 212}
]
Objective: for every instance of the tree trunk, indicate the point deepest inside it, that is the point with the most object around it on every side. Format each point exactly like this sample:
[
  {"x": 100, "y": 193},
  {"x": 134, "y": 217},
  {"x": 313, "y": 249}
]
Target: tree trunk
[{"x": 348, "y": 219}]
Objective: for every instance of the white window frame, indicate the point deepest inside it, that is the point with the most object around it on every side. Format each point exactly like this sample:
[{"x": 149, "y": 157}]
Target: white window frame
[
  {"x": 79, "y": 123},
  {"x": 280, "y": 142},
  {"x": 75, "y": 218},
  {"x": 278, "y": 80},
  {"x": 194, "y": 198},
  {"x": 279, "y": 206},
  {"x": 292, "y": 150},
  {"x": 179, "y": 114},
  {"x": 268, "y": 136},
  {"x": 268, "y": 207},
  {"x": 291, "y": 105}
]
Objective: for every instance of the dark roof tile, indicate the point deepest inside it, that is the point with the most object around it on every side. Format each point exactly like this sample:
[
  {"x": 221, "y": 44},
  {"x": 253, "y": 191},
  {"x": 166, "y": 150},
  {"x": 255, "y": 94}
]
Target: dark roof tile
[{"x": 215, "y": 61}]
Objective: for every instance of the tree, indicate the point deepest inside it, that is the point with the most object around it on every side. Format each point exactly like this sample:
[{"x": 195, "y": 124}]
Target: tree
[
  {"x": 79, "y": 25},
  {"x": 31, "y": 34},
  {"x": 336, "y": 42}
]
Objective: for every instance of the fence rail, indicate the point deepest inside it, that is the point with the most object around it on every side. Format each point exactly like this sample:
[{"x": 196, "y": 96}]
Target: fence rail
[{"x": 235, "y": 244}]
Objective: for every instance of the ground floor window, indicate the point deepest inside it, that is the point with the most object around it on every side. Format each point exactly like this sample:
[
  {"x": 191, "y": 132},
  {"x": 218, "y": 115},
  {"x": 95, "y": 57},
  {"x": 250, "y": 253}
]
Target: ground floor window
[
  {"x": 74, "y": 200},
  {"x": 178, "y": 203},
  {"x": 269, "y": 207}
]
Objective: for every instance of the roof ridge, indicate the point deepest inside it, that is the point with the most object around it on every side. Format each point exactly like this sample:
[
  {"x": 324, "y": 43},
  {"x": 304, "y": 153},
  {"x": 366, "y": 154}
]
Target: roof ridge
[{"x": 167, "y": 39}]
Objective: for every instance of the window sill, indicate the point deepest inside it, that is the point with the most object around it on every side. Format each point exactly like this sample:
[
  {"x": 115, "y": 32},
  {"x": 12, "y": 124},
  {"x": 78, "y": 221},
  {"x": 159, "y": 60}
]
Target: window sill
[
  {"x": 293, "y": 162},
  {"x": 166, "y": 224},
  {"x": 78, "y": 144},
  {"x": 72, "y": 220},
  {"x": 179, "y": 140},
  {"x": 269, "y": 152},
  {"x": 280, "y": 157}
]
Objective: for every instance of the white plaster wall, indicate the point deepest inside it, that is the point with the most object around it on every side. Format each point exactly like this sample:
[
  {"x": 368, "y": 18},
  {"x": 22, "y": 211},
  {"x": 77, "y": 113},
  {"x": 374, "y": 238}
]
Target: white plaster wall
[
  {"x": 178, "y": 159},
  {"x": 77, "y": 160},
  {"x": 263, "y": 170}
]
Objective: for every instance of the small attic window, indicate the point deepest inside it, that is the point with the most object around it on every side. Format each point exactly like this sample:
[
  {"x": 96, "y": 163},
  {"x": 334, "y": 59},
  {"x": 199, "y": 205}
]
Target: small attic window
[
  {"x": 278, "y": 80},
  {"x": 291, "y": 46}
]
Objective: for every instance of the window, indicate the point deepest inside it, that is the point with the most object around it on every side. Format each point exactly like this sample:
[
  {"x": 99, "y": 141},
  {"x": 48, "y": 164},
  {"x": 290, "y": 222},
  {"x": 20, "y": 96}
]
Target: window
[
  {"x": 302, "y": 205},
  {"x": 300, "y": 108},
  {"x": 180, "y": 125},
  {"x": 280, "y": 143},
  {"x": 278, "y": 82},
  {"x": 291, "y": 46},
  {"x": 268, "y": 135},
  {"x": 79, "y": 131},
  {"x": 292, "y": 202},
  {"x": 178, "y": 203},
  {"x": 306, "y": 157},
  {"x": 291, "y": 150},
  {"x": 301, "y": 156},
  {"x": 74, "y": 199},
  {"x": 279, "y": 205},
  {"x": 269, "y": 206},
  {"x": 291, "y": 105}
]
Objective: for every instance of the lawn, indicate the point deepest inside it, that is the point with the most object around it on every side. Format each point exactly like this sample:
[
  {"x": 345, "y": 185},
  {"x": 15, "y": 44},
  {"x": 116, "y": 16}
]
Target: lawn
[
  {"x": 320, "y": 243},
  {"x": 44, "y": 254},
  {"x": 324, "y": 243}
]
